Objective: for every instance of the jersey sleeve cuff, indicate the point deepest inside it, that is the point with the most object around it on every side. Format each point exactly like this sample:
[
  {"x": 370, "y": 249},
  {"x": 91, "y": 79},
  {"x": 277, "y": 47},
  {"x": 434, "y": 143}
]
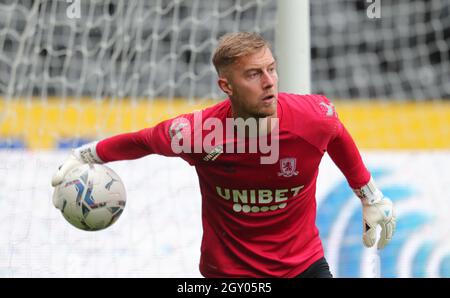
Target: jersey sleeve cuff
[
  {"x": 369, "y": 194},
  {"x": 88, "y": 153}
]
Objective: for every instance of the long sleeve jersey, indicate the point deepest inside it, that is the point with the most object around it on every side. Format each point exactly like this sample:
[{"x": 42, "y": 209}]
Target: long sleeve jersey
[{"x": 259, "y": 220}]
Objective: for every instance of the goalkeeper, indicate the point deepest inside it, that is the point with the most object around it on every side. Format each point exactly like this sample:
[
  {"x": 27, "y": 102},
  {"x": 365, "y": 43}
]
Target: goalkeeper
[{"x": 259, "y": 219}]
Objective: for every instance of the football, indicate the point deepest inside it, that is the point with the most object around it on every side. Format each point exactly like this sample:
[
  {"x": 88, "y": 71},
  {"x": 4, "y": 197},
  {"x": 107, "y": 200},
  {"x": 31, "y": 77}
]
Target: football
[{"x": 91, "y": 197}]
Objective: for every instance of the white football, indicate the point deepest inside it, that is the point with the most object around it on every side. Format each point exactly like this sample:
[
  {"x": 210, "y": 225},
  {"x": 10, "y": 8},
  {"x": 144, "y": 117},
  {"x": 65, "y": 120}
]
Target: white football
[{"x": 91, "y": 197}]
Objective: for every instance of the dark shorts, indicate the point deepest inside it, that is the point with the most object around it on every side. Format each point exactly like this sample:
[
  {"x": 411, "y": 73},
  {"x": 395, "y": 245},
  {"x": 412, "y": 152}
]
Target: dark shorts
[{"x": 318, "y": 269}]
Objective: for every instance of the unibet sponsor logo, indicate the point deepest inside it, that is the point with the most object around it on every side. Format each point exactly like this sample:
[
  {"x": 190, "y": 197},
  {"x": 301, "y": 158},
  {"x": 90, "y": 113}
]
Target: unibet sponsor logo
[{"x": 250, "y": 200}]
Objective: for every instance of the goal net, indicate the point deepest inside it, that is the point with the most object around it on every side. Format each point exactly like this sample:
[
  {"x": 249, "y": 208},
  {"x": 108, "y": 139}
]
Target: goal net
[{"x": 75, "y": 71}]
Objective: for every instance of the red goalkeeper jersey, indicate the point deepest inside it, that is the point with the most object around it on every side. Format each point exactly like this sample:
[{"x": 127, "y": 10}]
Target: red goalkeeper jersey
[{"x": 258, "y": 219}]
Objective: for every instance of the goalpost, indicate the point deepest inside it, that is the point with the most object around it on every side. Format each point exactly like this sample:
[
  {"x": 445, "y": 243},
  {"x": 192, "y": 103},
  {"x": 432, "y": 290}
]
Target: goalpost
[{"x": 293, "y": 46}]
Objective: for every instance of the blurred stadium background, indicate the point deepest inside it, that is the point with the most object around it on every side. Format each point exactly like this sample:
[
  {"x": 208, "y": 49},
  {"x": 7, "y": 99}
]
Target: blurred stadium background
[{"x": 124, "y": 65}]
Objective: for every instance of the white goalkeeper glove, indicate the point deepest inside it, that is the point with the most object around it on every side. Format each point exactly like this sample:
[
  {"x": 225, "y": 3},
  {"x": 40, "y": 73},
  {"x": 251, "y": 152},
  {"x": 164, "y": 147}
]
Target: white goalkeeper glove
[
  {"x": 377, "y": 210},
  {"x": 82, "y": 155}
]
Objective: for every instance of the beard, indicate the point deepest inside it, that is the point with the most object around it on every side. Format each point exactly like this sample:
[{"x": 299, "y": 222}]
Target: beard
[{"x": 242, "y": 109}]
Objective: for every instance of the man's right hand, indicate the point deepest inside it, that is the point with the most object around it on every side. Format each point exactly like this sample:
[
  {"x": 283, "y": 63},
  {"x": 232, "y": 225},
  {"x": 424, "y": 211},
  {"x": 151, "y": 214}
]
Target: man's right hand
[
  {"x": 69, "y": 164},
  {"x": 79, "y": 156}
]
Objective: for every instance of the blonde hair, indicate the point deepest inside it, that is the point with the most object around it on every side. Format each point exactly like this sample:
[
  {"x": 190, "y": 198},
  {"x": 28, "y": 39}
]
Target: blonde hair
[{"x": 234, "y": 45}]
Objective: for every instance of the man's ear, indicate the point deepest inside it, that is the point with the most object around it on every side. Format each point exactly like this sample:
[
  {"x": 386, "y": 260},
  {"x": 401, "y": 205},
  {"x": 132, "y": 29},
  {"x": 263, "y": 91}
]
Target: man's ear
[{"x": 225, "y": 86}]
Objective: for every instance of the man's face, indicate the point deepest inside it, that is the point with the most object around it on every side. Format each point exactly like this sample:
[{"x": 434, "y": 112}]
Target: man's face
[{"x": 252, "y": 85}]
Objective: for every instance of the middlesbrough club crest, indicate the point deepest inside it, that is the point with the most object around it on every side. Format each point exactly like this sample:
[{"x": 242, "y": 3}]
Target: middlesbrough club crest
[{"x": 288, "y": 167}]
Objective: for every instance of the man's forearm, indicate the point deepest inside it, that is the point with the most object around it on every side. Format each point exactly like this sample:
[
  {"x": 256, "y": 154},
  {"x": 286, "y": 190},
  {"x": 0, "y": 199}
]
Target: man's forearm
[
  {"x": 346, "y": 156},
  {"x": 123, "y": 147}
]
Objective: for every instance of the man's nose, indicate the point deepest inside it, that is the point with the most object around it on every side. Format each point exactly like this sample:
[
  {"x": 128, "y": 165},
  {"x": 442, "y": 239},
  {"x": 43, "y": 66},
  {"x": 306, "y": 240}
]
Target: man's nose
[{"x": 267, "y": 80}]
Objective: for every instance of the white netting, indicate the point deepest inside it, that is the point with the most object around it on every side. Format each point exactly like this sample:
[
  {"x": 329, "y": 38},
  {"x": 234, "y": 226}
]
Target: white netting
[
  {"x": 120, "y": 48},
  {"x": 404, "y": 54},
  {"x": 163, "y": 48}
]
